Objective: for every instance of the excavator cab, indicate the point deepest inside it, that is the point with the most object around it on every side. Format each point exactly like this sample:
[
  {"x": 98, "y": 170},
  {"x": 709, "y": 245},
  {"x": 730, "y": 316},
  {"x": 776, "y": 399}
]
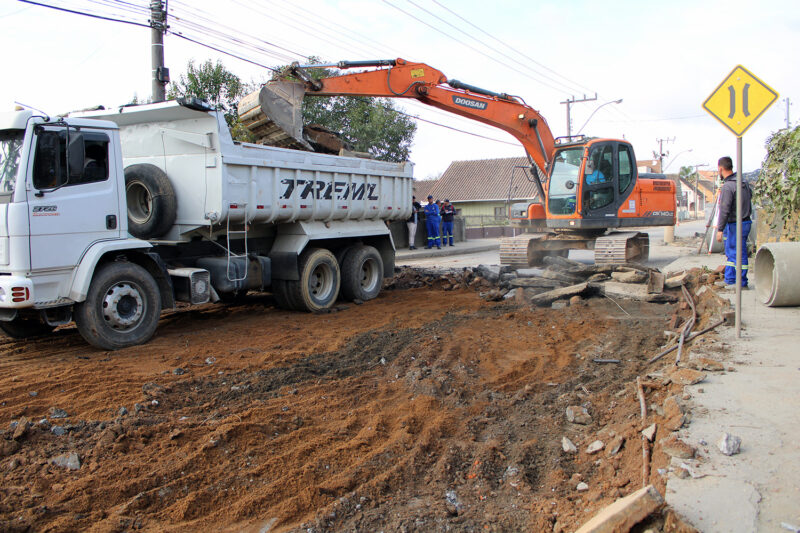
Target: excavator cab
[{"x": 589, "y": 181}]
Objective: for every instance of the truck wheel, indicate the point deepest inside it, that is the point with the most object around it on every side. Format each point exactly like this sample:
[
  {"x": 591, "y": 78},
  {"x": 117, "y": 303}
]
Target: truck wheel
[
  {"x": 280, "y": 291},
  {"x": 25, "y": 327},
  {"x": 121, "y": 309},
  {"x": 152, "y": 206},
  {"x": 362, "y": 273},
  {"x": 318, "y": 286}
]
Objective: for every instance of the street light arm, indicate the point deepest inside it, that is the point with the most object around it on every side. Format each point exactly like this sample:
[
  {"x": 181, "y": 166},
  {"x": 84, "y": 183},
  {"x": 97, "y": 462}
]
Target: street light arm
[
  {"x": 595, "y": 111},
  {"x": 674, "y": 158}
]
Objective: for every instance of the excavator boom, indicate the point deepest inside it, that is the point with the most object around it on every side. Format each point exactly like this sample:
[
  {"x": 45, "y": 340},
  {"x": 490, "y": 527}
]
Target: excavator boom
[{"x": 398, "y": 78}]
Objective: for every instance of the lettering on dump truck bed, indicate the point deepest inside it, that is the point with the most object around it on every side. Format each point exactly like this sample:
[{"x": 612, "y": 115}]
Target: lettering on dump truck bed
[{"x": 322, "y": 190}]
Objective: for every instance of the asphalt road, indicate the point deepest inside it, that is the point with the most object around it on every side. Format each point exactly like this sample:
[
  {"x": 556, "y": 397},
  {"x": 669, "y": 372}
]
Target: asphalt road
[{"x": 660, "y": 254}]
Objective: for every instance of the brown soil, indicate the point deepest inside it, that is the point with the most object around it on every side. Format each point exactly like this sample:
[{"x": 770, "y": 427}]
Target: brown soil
[{"x": 362, "y": 419}]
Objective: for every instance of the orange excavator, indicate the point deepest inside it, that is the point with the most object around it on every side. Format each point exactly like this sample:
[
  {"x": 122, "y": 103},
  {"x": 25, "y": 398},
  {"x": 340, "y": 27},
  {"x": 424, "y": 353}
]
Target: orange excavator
[{"x": 590, "y": 195}]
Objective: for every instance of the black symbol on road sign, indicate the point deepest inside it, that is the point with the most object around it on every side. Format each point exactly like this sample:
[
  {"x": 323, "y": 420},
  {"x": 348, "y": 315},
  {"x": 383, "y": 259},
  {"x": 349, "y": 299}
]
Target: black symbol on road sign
[{"x": 745, "y": 92}]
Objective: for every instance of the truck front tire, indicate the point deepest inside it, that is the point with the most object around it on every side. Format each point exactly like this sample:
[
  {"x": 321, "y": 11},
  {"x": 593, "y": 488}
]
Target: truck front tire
[
  {"x": 318, "y": 286},
  {"x": 151, "y": 202},
  {"x": 121, "y": 309},
  {"x": 362, "y": 273}
]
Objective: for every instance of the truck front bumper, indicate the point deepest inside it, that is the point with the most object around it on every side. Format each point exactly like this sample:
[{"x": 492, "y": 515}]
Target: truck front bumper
[{"x": 16, "y": 292}]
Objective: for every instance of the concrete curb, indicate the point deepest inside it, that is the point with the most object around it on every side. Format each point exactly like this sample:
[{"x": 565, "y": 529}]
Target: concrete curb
[{"x": 458, "y": 249}]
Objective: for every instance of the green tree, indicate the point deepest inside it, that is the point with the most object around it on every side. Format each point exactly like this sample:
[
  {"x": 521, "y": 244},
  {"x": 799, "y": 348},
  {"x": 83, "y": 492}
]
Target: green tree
[
  {"x": 372, "y": 125},
  {"x": 778, "y": 186},
  {"x": 213, "y": 83}
]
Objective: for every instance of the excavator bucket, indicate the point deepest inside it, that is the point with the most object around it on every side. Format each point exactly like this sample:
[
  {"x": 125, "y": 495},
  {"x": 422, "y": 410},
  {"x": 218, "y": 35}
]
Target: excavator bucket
[{"x": 274, "y": 114}]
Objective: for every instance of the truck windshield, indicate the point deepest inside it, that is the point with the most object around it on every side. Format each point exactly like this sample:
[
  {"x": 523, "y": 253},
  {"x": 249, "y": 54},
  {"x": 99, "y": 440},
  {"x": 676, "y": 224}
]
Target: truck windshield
[
  {"x": 10, "y": 148},
  {"x": 563, "y": 188}
]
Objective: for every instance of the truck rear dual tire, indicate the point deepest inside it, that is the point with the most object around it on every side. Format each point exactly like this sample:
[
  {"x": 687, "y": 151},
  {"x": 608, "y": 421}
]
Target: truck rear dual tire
[
  {"x": 318, "y": 286},
  {"x": 151, "y": 202},
  {"x": 362, "y": 273},
  {"x": 121, "y": 309}
]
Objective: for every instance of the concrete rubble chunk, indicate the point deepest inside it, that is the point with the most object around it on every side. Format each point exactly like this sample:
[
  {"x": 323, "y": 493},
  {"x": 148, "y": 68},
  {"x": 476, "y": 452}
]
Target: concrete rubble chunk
[
  {"x": 541, "y": 283},
  {"x": 578, "y": 415},
  {"x": 687, "y": 376},
  {"x": 582, "y": 487},
  {"x": 729, "y": 444},
  {"x": 595, "y": 447},
  {"x": 629, "y": 277},
  {"x": 625, "y": 513},
  {"x": 568, "y": 446},
  {"x": 632, "y": 291},
  {"x": 56, "y": 412},
  {"x": 649, "y": 432},
  {"x": 547, "y": 298},
  {"x": 66, "y": 460},
  {"x": 703, "y": 363},
  {"x": 615, "y": 446},
  {"x": 21, "y": 429},
  {"x": 452, "y": 503},
  {"x": 675, "y": 447},
  {"x": 676, "y": 281},
  {"x": 655, "y": 282}
]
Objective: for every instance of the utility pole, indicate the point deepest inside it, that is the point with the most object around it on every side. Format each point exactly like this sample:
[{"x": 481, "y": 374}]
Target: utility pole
[
  {"x": 696, "y": 179},
  {"x": 158, "y": 23},
  {"x": 788, "y": 122},
  {"x": 661, "y": 153},
  {"x": 571, "y": 101}
]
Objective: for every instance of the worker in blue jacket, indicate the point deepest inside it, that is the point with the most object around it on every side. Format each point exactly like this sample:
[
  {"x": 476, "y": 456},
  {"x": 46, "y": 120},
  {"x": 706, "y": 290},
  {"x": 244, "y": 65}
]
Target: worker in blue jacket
[
  {"x": 448, "y": 214},
  {"x": 432, "y": 219}
]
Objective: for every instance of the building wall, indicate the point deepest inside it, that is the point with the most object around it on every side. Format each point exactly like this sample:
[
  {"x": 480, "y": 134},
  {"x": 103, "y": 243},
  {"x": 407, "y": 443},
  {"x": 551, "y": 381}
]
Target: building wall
[{"x": 486, "y": 209}]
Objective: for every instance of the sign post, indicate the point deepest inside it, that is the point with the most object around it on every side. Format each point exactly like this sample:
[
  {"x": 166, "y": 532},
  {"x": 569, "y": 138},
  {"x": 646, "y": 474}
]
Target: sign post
[{"x": 737, "y": 103}]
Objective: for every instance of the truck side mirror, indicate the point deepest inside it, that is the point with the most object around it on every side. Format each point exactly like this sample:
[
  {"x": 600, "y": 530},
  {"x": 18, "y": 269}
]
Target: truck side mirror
[{"x": 76, "y": 154}]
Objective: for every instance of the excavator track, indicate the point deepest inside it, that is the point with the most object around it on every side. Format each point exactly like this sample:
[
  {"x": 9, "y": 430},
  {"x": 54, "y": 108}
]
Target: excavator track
[
  {"x": 620, "y": 247},
  {"x": 617, "y": 247},
  {"x": 529, "y": 249},
  {"x": 516, "y": 251}
]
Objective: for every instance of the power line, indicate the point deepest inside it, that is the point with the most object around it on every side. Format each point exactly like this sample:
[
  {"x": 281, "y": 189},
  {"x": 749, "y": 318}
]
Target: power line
[
  {"x": 451, "y": 127},
  {"x": 85, "y": 14},
  {"x": 221, "y": 51},
  {"x": 487, "y": 45},
  {"x": 456, "y": 39},
  {"x": 511, "y": 47}
]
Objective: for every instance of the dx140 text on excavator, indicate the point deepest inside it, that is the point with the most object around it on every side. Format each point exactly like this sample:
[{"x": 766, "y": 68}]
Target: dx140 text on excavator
[{"x": 590, "y": 194}]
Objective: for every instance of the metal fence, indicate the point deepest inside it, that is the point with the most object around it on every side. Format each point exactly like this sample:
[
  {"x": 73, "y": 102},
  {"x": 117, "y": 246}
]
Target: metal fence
[{"x": 482, "y": 221}]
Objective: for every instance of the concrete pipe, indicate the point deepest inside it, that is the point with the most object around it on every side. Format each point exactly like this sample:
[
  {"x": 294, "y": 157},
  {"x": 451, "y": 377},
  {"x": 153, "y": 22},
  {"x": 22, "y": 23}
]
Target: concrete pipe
[{"x": 778, "y": 274}]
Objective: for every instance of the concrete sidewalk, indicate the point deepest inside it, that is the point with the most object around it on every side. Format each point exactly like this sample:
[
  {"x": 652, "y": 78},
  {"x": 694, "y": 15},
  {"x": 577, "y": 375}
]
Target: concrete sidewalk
[
  {"x": 759, "y": 488},
  {"x": 460, "y": 248}
]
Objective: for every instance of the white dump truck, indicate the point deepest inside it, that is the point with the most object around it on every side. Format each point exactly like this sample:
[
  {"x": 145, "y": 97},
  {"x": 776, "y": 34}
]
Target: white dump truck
[{"x": 107, "y": 217}]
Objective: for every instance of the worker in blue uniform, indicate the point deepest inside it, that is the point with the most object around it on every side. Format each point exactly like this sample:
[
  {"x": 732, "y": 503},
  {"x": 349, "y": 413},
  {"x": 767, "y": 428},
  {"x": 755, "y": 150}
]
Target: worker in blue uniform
[
  {"x": 726, "y": 228},
  {"x": 448, "y": 214},
  {"x": 432, "y": 219}
]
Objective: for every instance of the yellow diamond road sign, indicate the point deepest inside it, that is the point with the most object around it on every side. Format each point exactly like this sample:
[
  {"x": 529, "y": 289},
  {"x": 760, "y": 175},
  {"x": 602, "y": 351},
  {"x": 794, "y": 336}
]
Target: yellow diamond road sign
[{"x": 740, "y": 100}]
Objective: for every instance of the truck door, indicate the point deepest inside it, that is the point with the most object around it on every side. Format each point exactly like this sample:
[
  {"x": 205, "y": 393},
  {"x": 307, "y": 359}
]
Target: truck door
[{"x": 69, "y": 213}]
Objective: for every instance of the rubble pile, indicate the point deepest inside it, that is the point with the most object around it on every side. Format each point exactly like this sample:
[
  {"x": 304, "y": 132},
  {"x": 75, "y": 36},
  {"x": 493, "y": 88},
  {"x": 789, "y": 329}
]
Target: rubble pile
[{"x": 559, "y": 282}]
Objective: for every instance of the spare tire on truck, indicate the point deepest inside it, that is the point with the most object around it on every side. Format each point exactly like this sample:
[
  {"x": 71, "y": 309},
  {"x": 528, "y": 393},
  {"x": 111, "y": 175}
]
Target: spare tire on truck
[{"x": 151, "y": 201}]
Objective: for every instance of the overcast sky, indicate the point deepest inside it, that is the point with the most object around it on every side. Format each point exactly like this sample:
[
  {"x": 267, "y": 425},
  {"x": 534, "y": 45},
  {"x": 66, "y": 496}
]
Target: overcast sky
[{"x": 663, "y": 59}]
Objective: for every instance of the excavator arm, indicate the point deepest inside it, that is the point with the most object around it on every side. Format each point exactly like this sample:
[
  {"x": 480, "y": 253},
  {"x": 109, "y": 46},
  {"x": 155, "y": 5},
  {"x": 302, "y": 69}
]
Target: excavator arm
[{"x": 398, "y": 78}]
